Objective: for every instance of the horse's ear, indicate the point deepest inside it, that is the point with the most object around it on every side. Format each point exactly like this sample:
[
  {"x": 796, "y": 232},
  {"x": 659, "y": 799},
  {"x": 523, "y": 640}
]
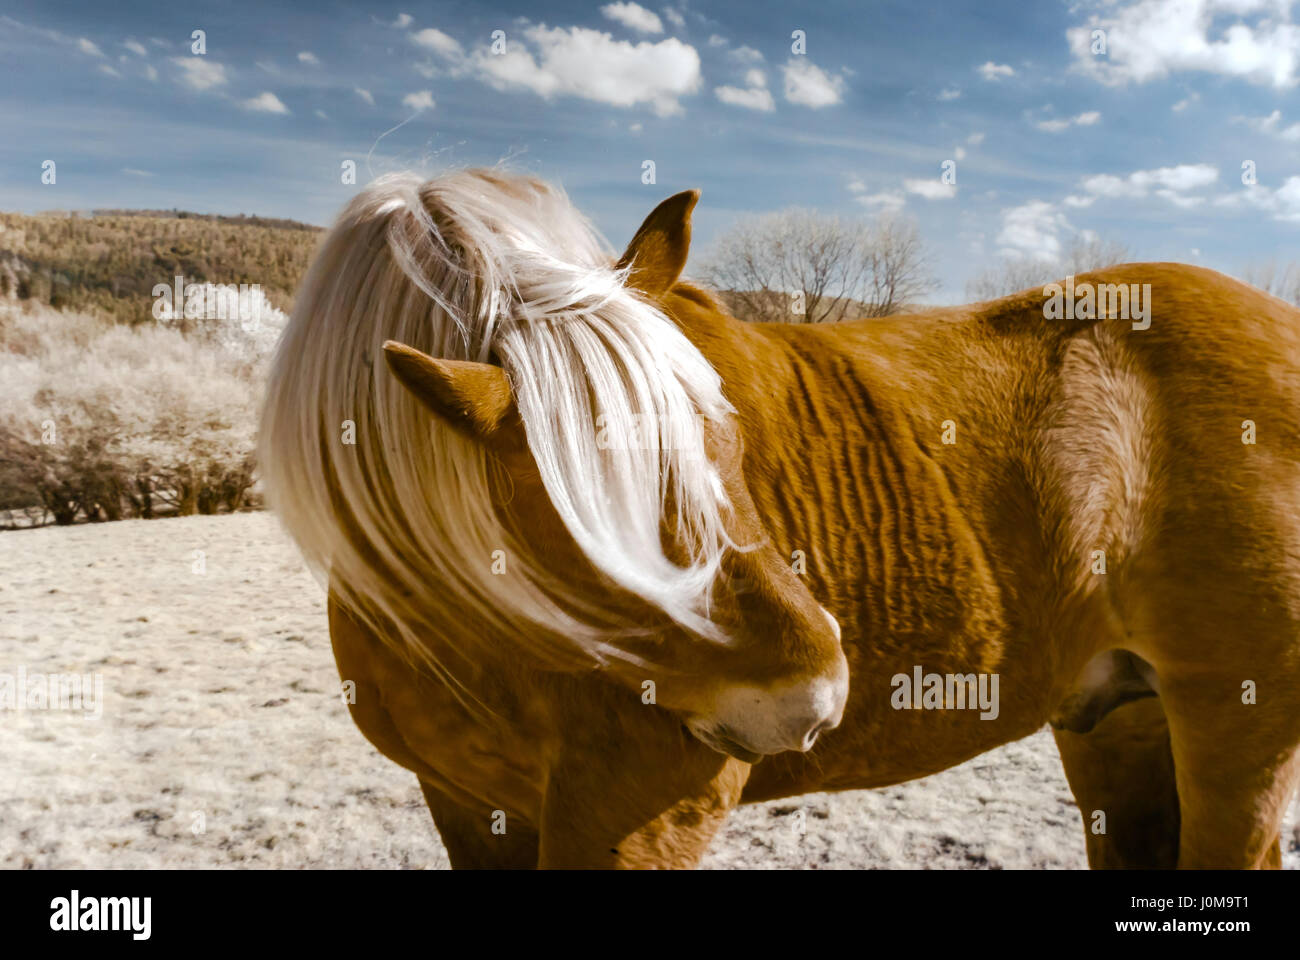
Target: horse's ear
[
  {"x": 473, "y": 397},
  {"x": 657, "y": 253}
]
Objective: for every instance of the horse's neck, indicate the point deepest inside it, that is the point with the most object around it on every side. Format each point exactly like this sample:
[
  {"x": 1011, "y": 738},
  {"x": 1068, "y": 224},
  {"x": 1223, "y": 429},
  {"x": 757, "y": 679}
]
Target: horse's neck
[{"x": 844, "y": 431}]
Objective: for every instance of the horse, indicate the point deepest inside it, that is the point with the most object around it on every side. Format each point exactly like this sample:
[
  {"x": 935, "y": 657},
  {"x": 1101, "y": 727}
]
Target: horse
[{"x": 605, "y": 562}]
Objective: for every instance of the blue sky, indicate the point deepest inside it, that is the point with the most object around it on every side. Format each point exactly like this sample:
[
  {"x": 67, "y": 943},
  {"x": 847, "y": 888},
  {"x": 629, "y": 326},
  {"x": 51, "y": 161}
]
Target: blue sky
[{"x": 1050, "y": 141}]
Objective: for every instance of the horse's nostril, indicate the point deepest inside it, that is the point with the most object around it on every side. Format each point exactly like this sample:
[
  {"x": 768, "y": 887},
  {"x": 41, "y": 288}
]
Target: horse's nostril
[{"x": 810, "y": 737}]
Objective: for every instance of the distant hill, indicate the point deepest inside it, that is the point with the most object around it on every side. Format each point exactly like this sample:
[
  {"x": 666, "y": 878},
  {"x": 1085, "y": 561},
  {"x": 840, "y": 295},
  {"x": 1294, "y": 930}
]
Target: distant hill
[{"x": 107, "y": 262}]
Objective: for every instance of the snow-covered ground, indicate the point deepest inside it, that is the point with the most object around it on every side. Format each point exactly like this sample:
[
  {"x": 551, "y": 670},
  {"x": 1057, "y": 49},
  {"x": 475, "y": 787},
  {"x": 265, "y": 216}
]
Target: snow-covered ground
[{"x": 222, "y": 740}]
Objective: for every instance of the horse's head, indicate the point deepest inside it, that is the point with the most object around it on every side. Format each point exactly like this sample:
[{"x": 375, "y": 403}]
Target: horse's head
[{"x": 763, "y": 670}]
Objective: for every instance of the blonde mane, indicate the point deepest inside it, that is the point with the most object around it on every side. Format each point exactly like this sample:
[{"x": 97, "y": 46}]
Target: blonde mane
[{"x": 484, "y": 266}]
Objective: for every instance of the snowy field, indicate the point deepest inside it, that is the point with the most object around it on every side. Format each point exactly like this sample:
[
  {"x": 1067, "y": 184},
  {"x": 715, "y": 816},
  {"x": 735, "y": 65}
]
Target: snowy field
[{"x": 223, "y": 742}]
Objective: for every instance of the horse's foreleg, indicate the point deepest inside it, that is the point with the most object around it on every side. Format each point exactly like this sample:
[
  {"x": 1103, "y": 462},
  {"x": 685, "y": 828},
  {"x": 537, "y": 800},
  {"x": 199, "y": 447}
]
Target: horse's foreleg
[
  {"x": 1122, "y": 776},
  {"x": 481, "y": 839}
]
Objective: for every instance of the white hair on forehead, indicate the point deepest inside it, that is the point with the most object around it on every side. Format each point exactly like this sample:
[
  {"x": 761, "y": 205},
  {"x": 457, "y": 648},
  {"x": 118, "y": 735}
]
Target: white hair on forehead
[{"x": 492, "y": 268}]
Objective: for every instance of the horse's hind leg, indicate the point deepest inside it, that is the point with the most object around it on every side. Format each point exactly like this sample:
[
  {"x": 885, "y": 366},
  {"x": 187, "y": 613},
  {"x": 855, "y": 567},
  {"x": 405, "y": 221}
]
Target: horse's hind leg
[
  {"x": 1236, "y": 763},
  {"x": 1123, "y": 770},
  {"x": 480, "y": 839}
]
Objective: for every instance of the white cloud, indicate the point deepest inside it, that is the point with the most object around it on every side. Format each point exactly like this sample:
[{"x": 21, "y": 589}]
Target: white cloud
[
  {"x": 1272, "y": 125},
  {"x": 200, "y": 73},
  {"x": 86, "y": 46},
  {"x": 309, "y": 58},
  {"x": 265, "y": 102},
  {"x": 1030, "y": 231},
  {"x": 365, "y": 95},
  {"x": 137, "y": 173},
  {"x": 949, "y": 93},
  {"x": 150, "y": 72},
  {"x": 752, "y": 98},
  {"x": 438, "y": 42},
  {"x": 1282, "y": 204},
  {"x": 888, "y": 200},
  {"x": 1186, "y": 102},
  {"x": 809, "y": 85},
  {"x": 105, "y": 68},
  {"x": 857, "y": 186},
  {"x": 975, "y": 139},
  {"x": 931, "y": 189},
  {"x": 746, "y": 55},
  {"x": 592, "y": 65},
  {"x": 1171, "y": 184},
  {"x": 675, "y": 18},
  {"x": 960, "y": 153},
  {"x": 717, "y": 41},
  {"x": 1167, "y": 182},
  {"x": 1056, "y": 125},
  {"x": 420, "y": 100},
  {"x": 995, "y": 71},
  {"x": 136, "y": 47},
  {"x": 633, "y": 16},
  {"x": 322, "y": 114},
  {"x": 1150, "y": 39},
  {"x": 403, "y": 21}
]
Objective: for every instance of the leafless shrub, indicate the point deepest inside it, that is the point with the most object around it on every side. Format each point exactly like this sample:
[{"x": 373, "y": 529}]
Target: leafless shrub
[
  {"x": 1283, "y": 282},
  {"x": 1020, "y": 273},
  {"x": 99, "y": 421}
]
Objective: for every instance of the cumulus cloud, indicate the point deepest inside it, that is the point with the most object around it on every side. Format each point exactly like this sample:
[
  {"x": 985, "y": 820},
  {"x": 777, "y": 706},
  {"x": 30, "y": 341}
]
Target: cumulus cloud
[
  {"x": 1150, "y": 39},
  {"x": 1282, "y": 204},
  {"x": 887, "y": 200},
  {"x": 1032, "y": 231},
  {"x": 1272, "y": 125},
  {"x": 1058, "y": 124},
  {"x": 931, "y": 189},
  {"x": 809, "y": 85},
  {"x": 1179, "y": 179},
  {"x": 746, "y": 54},
  {"x": 675, "y": 18},
  {"x": 265, "y": 102},
  {"x": 420, "y": 100},
  {"x": 633, "y": 16},
  {"x": 309, "y": 58},
  {"x": 995, "y": 71},
  {"x": 403, "y": 21},
  {"x": 200, "y": 73},
  {"x": 753, "y": 96},
  {"x": 437, "y": 41},
  {"x": 592, "y": 65}
]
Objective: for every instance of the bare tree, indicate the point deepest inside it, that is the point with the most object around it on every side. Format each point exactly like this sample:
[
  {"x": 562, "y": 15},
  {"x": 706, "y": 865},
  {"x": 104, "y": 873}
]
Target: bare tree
[
  {"x": 1020, "y": 273},
  {"x": 801, "y": 266}
]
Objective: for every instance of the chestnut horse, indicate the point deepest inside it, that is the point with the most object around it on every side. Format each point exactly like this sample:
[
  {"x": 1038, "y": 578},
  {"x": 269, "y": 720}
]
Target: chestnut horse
[{"x": 595, "y": 548}]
